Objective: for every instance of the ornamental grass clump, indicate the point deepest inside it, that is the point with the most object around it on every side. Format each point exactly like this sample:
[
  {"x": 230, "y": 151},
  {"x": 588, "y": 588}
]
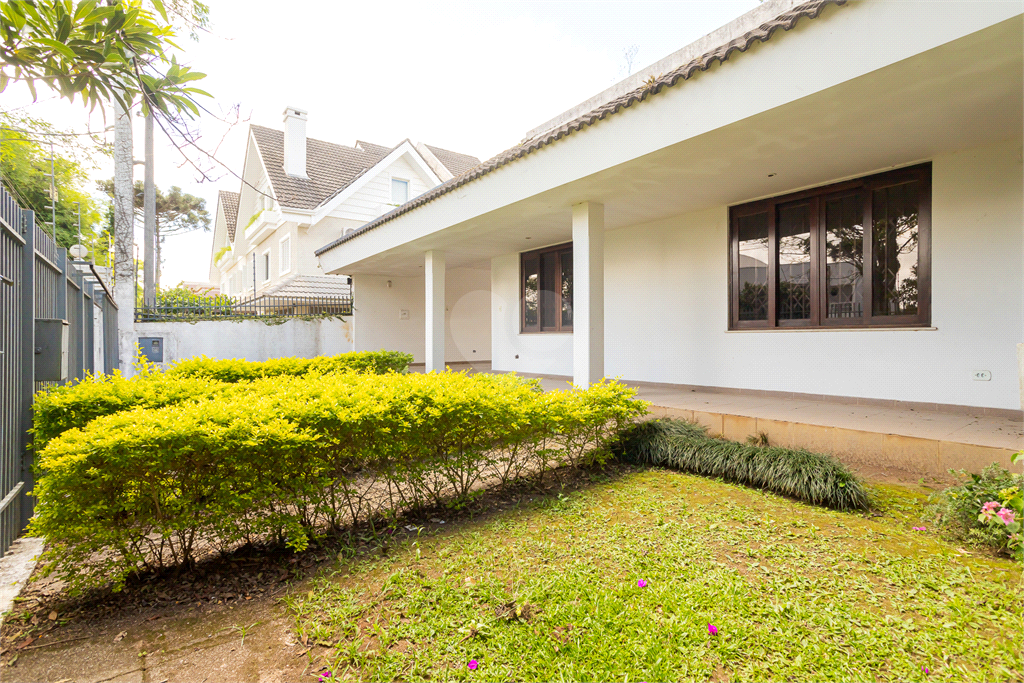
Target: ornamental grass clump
[
  {"x": 282, "y": 459},
  {"x": 811, "y": 477}
]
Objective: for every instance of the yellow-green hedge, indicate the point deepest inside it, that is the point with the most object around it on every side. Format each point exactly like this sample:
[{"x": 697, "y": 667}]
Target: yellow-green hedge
[
  {"x": 75, "y": 405},
  {"x": 279, "y": 458},
  {"x": 233, "y": 370}
]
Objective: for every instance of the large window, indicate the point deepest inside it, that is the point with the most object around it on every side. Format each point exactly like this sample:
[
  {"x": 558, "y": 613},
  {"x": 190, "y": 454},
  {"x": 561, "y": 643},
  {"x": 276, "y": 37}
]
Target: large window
[
  {"x": 546, "y": 290},
  {"x": 799, "y": 260}
]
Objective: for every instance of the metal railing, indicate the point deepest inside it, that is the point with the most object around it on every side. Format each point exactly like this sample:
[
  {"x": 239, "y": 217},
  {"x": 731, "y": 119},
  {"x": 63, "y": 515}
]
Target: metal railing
[
  {"x": 38, "y": 281},
  {"x": 221, "y": 308}
]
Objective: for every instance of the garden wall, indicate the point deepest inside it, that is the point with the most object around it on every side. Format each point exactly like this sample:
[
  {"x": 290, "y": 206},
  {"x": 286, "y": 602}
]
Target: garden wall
[{"x": 250, "y": 340}]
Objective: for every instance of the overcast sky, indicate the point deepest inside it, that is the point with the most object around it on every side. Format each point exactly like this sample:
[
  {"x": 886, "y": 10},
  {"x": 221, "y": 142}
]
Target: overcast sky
[{"x": 472, "y": 77}]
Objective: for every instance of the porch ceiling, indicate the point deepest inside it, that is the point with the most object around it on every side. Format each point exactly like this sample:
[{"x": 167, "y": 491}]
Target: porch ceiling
[{"x": 963, "y": 94}]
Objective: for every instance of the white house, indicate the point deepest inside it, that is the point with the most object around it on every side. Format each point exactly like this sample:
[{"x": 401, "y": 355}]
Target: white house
[
  {"x": 299, "y": 193},
  {"x": 822, "y": 198}
]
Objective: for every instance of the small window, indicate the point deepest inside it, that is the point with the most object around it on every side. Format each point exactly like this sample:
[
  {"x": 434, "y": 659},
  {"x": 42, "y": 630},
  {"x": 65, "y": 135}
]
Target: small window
[
  {"x": 399, "y": 191},
  {"x": 546, "y": 297},
  {"x": 285, "y": 257},
  {"x": 266, "y": 265},
  {"x": 850, "y": 254}
]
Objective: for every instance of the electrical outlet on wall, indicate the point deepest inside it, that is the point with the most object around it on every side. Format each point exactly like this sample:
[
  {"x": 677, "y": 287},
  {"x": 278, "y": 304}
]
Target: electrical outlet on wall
[
  {"x": 403, "y": 314},
  {"x": 981, "y": 375}
]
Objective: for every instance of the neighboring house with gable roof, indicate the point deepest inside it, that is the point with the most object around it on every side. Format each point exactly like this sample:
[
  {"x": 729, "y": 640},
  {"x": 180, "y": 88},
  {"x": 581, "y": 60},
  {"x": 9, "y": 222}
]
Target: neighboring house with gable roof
[
  {"x": 820, "y": 199},
  {"x": 298, "y": 193}
]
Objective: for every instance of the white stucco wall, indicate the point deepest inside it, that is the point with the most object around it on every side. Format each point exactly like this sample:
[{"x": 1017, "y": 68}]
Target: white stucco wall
[
  {"x": 251, "y": 340},
  {"x": 548, "y": 354},
  {"x": 666, "y": 306},
  {"x": 379, "y": 323}
]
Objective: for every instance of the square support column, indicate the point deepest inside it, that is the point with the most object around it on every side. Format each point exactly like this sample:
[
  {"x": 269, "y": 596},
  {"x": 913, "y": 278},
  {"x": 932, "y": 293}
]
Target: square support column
[
  {"x": 588, "y": 294},
  {"x": 433, "y": 271}
]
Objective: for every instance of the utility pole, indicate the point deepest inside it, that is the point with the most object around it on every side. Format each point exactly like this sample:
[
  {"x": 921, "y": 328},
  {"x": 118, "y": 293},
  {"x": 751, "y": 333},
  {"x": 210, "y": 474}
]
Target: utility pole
[
  {"x": 150, "y": 265},
  {"x": 124, "y": 237}
]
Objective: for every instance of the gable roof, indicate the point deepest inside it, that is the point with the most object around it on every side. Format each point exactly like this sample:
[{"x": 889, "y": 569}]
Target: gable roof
[
  {"x": 229, "y": 200},
  {"x": 330, "y": 167},
  {"x": 453, "y": 161},
  {"x": 763, "y": 33}
]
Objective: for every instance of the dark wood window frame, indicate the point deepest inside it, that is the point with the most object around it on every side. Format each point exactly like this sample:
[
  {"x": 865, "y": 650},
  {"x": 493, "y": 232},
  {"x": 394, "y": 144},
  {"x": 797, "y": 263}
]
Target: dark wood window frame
[
  {"x": 816, "y": 199},
  {"x": 529, "y": 262}
]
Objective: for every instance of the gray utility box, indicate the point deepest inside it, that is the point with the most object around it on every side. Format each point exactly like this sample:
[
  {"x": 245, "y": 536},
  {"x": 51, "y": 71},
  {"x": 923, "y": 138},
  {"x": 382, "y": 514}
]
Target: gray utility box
[
  {"x": 152, "y": 348},
  {"x": 51, "y": 350}
]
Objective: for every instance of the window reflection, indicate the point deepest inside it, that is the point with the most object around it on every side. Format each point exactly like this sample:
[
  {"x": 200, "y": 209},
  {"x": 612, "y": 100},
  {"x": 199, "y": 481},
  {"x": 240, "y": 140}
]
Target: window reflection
[
  {"x": 894, "y": 247},
  {"x": 531, "y": 290},
  {"x": 566, "y": 262},
  {"x": 753, "y": 284},
  {"x": 794, "y": 294},
  {"x": 844, "y": 256}
]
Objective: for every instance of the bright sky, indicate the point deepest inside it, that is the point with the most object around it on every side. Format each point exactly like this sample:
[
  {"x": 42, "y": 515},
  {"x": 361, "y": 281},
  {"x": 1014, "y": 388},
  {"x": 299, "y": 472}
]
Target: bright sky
[{"x": 472, "y": 77}]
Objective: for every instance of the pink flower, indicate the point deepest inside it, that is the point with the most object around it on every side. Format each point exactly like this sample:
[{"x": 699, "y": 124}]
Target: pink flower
[
  {"x": 473, "y": 664},
  {"x": 326, "y": 675},
  {"x": 641, "y": 584},
  {"x": 987, "y": 510},
  {"x": 925, "y": 669},
  {"x": 712, "y": 629},
  {"x": 920, "y": 528},
  {"x": 1007, "y": 515}
]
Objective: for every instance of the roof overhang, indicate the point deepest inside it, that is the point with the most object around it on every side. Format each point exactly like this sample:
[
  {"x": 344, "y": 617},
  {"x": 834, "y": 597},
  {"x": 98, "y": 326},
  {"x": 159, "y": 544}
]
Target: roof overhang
[{"x": 915, "y": 80}]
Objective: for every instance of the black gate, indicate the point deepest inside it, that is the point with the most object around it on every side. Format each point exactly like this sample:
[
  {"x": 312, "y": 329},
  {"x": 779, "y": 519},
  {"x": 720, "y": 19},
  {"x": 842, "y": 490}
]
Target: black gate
[{"x": 39, "y": 282}]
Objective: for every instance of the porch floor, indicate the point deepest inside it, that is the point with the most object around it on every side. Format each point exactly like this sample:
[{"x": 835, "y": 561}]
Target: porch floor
[{"x": 911, "y": 440}]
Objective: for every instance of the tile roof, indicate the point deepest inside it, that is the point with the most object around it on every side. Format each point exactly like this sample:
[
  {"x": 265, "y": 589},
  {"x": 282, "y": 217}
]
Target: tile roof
[
  {"x": 762, "y": 33},
  {"x": 331, "y": 167},
  {"x": 310, "y": 285},
  {"x": 372, "y": 148},
  {"x": 229, "y": 200},
  {"x": 453, "y": 161}
]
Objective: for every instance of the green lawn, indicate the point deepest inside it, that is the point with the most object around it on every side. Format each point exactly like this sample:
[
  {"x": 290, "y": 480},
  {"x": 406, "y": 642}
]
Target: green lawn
[{"x": 796, "y": 593}]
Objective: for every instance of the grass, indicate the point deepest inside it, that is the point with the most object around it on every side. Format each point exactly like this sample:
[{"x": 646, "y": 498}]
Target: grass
[{"x": 796, "y": 592}]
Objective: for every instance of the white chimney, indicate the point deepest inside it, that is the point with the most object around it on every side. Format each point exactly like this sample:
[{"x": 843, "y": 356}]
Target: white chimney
[{"x": 295, "y": 142}]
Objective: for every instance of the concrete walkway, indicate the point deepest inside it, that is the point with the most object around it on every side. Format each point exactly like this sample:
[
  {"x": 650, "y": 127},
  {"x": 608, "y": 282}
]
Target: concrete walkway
[{"x": 911, "y": 439}]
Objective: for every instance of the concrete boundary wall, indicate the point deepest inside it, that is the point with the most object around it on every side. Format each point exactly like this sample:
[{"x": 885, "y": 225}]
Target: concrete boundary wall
[{"x": 250, "y": 340}]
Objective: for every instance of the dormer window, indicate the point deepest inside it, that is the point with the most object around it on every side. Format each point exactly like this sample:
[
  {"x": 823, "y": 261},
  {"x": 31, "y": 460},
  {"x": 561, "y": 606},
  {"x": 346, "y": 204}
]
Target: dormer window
[{"x": 399, "y": 191}]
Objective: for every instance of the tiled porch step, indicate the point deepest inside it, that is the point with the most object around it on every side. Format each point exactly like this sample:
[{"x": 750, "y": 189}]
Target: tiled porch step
[{"x": 856, "y": 447}]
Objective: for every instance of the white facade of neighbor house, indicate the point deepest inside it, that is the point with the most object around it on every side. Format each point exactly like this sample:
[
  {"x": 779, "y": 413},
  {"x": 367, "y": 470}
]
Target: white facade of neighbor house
[
  {"x": 265, "y": 235},
  {"x": 644, "y": 196}
]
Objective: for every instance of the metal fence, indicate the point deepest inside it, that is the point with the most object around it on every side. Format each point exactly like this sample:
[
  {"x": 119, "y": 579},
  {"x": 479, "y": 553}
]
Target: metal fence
[
  {"x": 221, "y": 308},
  {"x": 40, "y": 283}
]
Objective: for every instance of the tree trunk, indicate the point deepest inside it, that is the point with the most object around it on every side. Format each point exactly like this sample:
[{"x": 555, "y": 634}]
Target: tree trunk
[
  {"x": 151, "y": 263},
  {"x": 156, "y": 264},
  {"x": 124, "y": 239}
]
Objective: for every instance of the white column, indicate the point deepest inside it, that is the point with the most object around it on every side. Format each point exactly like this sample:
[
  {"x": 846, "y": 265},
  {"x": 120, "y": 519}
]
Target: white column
[
  {"x": 434, "y": 272},
  {"x": 588, "y": 294}
]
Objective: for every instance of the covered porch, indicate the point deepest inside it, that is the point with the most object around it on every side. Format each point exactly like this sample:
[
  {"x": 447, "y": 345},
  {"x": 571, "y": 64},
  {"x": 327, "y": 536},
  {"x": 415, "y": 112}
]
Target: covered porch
[
  {"x": 877, "y": 438},
  {"x": 641, "y": 205}
]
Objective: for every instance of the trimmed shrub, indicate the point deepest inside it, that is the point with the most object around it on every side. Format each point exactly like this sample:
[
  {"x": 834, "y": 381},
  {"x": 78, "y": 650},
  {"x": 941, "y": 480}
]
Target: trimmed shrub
[
  {"x": 961, "y": 510},
  {"x": 811, "y": 477},
  {"x": 280, "y": 459},
  {"x": 234, "y": 370},
  {"x": 76, "y": 405},
  {"x": 195, "y": 379}
]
